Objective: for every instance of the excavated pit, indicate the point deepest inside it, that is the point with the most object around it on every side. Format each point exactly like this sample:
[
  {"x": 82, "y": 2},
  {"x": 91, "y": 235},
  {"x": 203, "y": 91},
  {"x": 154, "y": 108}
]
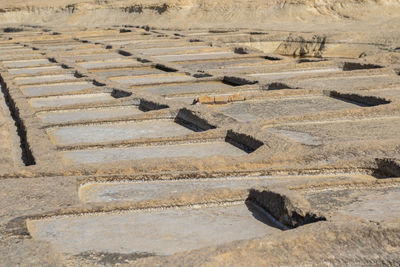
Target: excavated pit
[
  {"x": 237, "y": 81},
  {"x": 191, "y": 121},
  {"x": 387, "y": 168},
  {"x": 349, "y": 66},
  {"x": 360, "y": 99},
  {"x": 245, "y": 142},
  {"x": 146, "y": 105},
  {"x": 27, "y": 156},
  {"x": 276, "y": 86},
  {"x": 285, "y": 209}
]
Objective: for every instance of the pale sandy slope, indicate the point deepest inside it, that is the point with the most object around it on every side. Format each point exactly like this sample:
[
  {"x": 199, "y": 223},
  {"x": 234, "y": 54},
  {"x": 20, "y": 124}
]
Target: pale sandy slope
[{"x": 200, "y": 13}]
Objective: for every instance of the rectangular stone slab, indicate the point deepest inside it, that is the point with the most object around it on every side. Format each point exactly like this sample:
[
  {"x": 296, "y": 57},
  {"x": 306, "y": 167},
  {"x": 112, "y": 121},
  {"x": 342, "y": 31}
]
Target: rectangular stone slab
[
  {"x": 26, "y": 63},
  {"x": 149, "y": 79},
  {"x": 69, "y": 46},
  {"x": 339, "y": 131},
  {"x": 54, "y": 89},
  {"x": 20, "y": 56},
  {"x": 110, "y": 132},
  {"x": 388, "y": 93},
  {"x": 109, "y": 64},
  {"x": 188, "y": 100},
  {"x": 300, "y": 137},
  {"x": 60, "y": 101},
  {"x": 35, "y": 70},
  {"x": 196, "y": 150},
  {"x": 180, "y": 88},
  {"x": 266, "y": 109},
  {"x": 122, "y": 43},
  {"x": 374, "y": 203},
  {"x": 197, "y": 56},
  {"x": 121, "y": 40},
  {"x": 15, "y": 51},
  {"x": 76, "y": 115},
  {"x": 161, "y": 42},
  {"x": 165, "y": 50},
  {"x": 44, "y": 79},
  {"x": 160, "y": 232},
  {"x": 219, "y": 63},
  {"x": 116, "y": 72},
  {"x": 92, "y": 57},
  {"x": 247, "y": 68},
  {"x": 351, "y": 82},
  {"x": 136, "y": 191},
  {"x": 87, "y": 51},
  {"x": 11, "y": 47},
  {"x": 293, "y": 73}
]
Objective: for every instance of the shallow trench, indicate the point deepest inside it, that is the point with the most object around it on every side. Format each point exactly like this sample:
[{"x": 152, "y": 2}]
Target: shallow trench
[{"x": 27, "y": 155}]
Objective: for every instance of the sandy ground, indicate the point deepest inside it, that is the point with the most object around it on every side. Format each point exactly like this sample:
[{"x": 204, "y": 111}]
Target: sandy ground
[{"x": 199, "y": 133}]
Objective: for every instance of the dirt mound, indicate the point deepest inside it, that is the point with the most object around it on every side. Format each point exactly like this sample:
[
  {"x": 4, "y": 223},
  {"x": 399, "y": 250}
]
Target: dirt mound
[{"x": 191, "y": 13}]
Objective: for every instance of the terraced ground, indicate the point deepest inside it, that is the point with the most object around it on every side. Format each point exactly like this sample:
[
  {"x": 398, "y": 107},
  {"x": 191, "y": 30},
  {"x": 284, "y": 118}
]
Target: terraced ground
[{"x": 145, "y": 146}]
